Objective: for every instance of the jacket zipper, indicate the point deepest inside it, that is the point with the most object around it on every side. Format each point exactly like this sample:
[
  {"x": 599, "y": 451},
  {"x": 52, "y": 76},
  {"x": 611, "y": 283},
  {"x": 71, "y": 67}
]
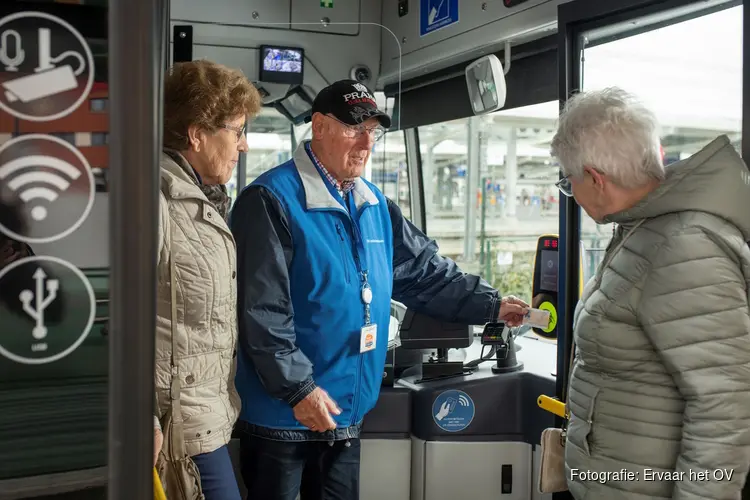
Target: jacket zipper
[{"x": 343, "y": 252}]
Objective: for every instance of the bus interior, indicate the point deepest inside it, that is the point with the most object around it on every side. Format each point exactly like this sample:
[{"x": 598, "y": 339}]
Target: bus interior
[{"x": 474, "y": 88}]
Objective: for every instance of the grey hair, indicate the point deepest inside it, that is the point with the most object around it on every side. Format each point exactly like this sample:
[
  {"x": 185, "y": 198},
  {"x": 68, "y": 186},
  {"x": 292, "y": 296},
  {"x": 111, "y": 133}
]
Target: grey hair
[{"x": 611, "y": 131}]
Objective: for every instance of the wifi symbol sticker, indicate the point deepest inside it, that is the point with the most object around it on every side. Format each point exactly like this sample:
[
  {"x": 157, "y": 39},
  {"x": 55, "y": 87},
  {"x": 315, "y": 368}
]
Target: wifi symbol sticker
[{"x": 52, "y": 183}]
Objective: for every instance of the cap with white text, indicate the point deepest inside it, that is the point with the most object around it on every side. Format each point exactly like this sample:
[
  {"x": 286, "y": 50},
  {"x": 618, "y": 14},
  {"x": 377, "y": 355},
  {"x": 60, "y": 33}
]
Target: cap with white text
[{"x": 351, "y": 102}]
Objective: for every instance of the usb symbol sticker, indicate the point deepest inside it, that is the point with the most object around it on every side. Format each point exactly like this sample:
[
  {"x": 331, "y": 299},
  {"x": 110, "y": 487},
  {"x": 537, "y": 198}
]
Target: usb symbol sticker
[
  {"x": 41, "y": 303},
  {"x": 49, "y": 311},
  {"x": 52, "y": 80}
]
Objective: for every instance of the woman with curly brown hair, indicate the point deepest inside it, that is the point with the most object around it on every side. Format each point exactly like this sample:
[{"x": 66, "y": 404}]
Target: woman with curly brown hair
[{"x": 206, "y": 107}]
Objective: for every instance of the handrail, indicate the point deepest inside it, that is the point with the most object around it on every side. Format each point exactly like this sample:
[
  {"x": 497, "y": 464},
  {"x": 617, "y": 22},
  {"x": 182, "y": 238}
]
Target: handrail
[{"x": 552, "y": 405}]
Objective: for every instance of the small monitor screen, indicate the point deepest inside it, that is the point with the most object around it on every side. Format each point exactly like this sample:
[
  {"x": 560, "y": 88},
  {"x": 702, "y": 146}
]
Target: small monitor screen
[
  {"x": 281, "y": 65},
  {"x": 549, "y": 266}
]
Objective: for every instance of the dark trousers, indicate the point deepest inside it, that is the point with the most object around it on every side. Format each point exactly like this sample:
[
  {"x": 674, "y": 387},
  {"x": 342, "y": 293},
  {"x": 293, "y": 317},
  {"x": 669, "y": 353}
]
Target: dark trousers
[
  {"x": 217, "y": 475},
  {"x": 279, "y": 470}
]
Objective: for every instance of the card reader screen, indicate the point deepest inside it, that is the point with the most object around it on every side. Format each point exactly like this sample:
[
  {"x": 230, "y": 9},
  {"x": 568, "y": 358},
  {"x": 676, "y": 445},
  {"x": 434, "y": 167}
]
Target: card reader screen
[{"x": 548, "y": 278}]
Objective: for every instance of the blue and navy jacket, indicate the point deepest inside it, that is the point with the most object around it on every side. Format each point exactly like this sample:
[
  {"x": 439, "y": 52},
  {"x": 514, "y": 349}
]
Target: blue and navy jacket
[{"x": 301, "y": 251}]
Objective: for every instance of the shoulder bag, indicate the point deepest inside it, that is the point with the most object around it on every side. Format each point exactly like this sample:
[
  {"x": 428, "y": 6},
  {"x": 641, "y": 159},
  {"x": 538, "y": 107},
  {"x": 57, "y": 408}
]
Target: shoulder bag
[{"x": 552, "y": 478}]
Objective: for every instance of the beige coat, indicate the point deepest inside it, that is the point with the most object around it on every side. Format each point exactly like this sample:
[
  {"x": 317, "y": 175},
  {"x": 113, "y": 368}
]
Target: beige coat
[{"x": 205, "y": 266}]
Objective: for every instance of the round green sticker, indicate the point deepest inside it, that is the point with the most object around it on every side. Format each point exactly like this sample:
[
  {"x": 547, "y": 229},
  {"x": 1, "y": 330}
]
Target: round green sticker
[{"x": 548, "y": 306}]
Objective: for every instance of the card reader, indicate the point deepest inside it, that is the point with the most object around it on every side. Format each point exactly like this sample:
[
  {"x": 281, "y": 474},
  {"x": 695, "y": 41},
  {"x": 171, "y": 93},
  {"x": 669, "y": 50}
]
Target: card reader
[{"x": 498, "y": 335}]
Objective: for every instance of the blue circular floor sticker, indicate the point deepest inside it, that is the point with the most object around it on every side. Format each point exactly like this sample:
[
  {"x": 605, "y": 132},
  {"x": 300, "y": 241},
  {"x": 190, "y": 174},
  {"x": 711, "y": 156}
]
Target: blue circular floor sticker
[{"x": 453, "y": 411}]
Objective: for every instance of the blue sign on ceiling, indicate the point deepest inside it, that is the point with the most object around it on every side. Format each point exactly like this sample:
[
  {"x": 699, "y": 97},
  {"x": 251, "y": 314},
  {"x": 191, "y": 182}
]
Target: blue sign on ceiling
[{"x": 436, "y": 14}]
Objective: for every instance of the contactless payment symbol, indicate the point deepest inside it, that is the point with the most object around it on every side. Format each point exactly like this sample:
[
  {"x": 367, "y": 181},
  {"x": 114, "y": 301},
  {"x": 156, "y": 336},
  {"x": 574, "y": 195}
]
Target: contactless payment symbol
[
  {"x": 48, "y": 67},
  {"x": 52, "y": 184},
  {"x": 48, "y": 309},
  {"x": 453, "y": 410}
]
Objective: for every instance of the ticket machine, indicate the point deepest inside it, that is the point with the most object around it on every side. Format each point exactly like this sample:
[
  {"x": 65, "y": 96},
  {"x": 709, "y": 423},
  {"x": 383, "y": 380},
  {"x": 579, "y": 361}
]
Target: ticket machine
[{"x": 544, "y": 282}]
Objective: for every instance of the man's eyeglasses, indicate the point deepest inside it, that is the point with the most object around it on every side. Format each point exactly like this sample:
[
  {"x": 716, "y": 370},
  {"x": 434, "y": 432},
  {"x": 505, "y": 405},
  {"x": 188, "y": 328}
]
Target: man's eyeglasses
[
  {"x": 352, "y": 131},
  {"x": 239, "y": 131},
  {"x": 565, "y": 186}
]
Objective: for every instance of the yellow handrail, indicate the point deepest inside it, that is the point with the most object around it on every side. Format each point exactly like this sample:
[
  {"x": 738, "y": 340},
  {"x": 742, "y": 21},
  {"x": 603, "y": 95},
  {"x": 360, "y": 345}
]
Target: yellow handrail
[
  {"x": 551, "y": 405},
  {"x": 158, "y": 488}
]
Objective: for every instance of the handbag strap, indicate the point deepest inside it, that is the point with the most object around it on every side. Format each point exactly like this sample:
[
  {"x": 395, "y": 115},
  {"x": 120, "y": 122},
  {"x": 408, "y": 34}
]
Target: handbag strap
[
  {"x": 177, "y": 435},
  {"x": 569, "y": 374}
]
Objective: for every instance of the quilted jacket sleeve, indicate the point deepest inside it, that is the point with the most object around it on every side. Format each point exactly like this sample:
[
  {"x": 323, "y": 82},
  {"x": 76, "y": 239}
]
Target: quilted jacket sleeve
[{"x": 694, "y": 309}]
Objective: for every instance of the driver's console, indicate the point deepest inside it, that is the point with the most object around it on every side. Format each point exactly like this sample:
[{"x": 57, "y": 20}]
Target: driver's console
[{"x": 421, "y": 332}]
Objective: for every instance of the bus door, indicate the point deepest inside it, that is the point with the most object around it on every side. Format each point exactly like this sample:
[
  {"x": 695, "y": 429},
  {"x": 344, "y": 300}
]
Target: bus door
[{"x": 80, "y": 129}]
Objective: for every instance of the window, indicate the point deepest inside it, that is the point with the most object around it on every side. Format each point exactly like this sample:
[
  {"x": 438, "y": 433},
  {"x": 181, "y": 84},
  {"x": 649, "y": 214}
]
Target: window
[
  {"x": 694, "y": 103},
  {"x": 99, "y": 105},
  {"x": 82, "y": 373},
  {"x": 69, "y": 137},
  {"x": 269, "y": 139},
  {"x": 99, "y": 138},
  {"x": 487, "y": 210},
  {"x": 387, "y": 168}
]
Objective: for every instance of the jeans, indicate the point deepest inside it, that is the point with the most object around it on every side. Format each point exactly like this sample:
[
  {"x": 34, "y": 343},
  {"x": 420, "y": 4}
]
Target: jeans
[
  {"x": 217, "y": 475},
  {"x": 316, "y": 470}
]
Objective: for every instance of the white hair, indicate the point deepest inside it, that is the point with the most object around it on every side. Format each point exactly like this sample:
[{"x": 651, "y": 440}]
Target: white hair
[{"x": 611, "y": 131}]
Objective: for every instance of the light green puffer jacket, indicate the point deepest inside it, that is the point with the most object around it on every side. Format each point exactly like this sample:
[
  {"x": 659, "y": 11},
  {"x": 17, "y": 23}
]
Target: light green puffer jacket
[{"x": 661, "y": 380}]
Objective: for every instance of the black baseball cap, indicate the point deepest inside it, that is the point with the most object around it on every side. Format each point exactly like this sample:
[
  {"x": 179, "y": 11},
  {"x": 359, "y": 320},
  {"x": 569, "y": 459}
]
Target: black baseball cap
[{"x": 351, "y": 102}]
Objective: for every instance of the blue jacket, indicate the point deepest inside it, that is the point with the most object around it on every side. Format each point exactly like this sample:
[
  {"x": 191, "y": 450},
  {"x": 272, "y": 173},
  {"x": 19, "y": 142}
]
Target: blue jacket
[{"x": 301, "y": 252}]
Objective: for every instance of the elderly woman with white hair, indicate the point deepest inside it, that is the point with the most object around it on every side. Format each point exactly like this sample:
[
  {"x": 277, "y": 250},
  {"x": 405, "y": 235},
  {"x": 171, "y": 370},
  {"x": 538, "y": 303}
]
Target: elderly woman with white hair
[{"x": 659, "y": 396}]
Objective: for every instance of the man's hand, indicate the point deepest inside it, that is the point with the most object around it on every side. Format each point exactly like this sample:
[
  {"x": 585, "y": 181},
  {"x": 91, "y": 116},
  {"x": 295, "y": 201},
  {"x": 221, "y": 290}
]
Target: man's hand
[
  {"x": 512, "y": 310},
  {"x": 158, "y": 442},
  {"x": 315, "y": 410}
]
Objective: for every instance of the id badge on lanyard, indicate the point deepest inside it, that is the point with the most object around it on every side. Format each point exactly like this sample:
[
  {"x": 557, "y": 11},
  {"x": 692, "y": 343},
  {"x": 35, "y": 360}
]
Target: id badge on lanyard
[{"x": 368, "y": 336}]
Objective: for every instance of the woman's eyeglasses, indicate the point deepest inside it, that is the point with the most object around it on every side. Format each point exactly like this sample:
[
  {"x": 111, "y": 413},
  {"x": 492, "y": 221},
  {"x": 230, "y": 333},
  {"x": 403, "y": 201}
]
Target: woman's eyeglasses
[
  {"x": 239, "y": 131},
  {"x": 565, "y": 186}
]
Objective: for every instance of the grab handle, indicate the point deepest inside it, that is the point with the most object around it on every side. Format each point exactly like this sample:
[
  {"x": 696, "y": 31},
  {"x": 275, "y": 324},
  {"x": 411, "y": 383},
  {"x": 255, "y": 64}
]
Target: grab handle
[{"x": 551, "y": 405}]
